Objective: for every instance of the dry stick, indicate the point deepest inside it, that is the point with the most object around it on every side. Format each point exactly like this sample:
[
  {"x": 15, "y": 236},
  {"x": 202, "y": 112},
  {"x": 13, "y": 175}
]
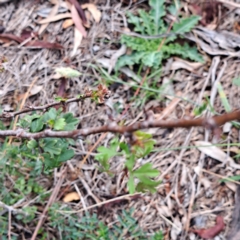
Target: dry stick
[
  {"x": 12, "y": 209},
  {"x": 21, "y": 106},
  {"x": 9, "y": 224},
  {"x": 217, "y": 209},
  {"x": 50, "y": 201},
  {"x": 45, "y": 107},
  {"x": 127, "y": 196},
  {"x": 220, "y": 176},
  {"x": 190, "y": 203},
  {"x": 209, "y": 123},
  {"x": 53, "y": 12},
  {"x": 166, "y": 220},
  {"x": 230, "y": 3}
]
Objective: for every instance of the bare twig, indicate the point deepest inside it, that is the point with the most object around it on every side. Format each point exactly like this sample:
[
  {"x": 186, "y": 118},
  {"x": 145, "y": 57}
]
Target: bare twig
[
  {"x": 101, "y": 94},
  {"x": 9, "y": 224},
  {"x": 211, "y": 123},
  {"x": 12, "y": 209},
  {"x": 127, "y": 196},
  {"x": 45, "y": 107},
  {"x": 190, "y": 203}
]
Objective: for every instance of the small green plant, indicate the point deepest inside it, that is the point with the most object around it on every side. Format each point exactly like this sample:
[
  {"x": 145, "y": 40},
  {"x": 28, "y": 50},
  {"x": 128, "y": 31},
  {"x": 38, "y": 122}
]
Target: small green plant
[
  {"x": 204, "y": 106},
  {"x": 71, "y": 227},
  {"x": 139, "y": 179},
  {"x": 50, "y": 151},
  {"x": 145, "y": 52},
  {"x": 23, "y": 161}
]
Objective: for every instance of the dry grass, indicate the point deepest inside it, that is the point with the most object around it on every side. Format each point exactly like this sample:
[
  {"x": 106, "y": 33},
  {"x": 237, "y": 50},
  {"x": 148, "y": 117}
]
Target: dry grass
[{"x": 186, "y": 198}]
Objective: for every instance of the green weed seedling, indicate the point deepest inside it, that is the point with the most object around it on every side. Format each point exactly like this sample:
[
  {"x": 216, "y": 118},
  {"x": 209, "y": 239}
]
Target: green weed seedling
[
  {"x": 145, "y": 52},
  {"x": 140, "y": 179},
  {"x": 153, "y": 53}
]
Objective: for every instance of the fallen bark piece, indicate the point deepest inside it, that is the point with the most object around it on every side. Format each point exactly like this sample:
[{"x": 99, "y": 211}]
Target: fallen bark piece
[{"x": 211, "y": 232}]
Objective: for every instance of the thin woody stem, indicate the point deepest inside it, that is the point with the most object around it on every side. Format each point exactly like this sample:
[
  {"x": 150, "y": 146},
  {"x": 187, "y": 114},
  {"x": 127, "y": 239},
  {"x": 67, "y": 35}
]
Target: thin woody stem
[{"x": 209, "y": 123}]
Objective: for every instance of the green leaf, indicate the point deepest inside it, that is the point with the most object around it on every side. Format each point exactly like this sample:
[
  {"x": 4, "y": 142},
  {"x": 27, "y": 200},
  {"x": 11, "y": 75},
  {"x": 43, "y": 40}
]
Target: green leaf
[
  {"x": 147, "y": 181},
  {"x": 105, "y": 166},
  {"x": 71, "y": 121},
  {"x": 32, "y": 144},
  {"x": 130, "y": 184},
  {"x": 66, "y": 155},
  {"x": 145, "y": 146},
  {"x": 234, "y": 178},
  {"x": 147, "y": 23},
  {"x": 125, "y": 147},
  {"x": 236, "y": 81},
  {"x": 50, "y": 123},
  {"x": 51, "y": 145},
  {"x": 50, "y": 115},
  {"x": 146, "y": 170},
  {"x": 2, "y": 127},
  {"x": 140, "y": 45},
  {"x": 37, "y": 125},
  {"x": 29, "y": 118},
  {"x": 157, "y": 12},
  {"x": 104, "y": 154},
  {"x": 152, "y": 59},
  {"x": 59, "y": 124},
  {"x": 185, "y": 24},
  {"x": 147, "y": 184},
  {"x": 108, "y": 152},
  {"x": 136, "y": 22},
  {"x": 130, "y": 162},
  {"x": 158, "y": 236},
  {"x": 129, "y": 60},
  {"x": 223, "y": 97},
  {"x": 60, "y": 99},
  {"x": 199, "y": 110},
  {"x": 143, "y": 135},
  {"x": 68, "y": 72},
  {"x": 49, "y": 162},
  {"x": 184, "y": 51},
  {"x": 173, "y": 9}
]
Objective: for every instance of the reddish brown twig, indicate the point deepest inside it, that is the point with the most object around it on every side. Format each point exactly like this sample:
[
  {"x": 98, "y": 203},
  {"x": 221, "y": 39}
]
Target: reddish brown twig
[{"x": 209, "y": 123}]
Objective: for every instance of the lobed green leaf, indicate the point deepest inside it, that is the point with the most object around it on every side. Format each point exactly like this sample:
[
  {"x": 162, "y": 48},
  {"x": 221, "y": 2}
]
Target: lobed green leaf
[
  {"x": 185, "y": 24},
  {"x": 146, "y": 170}
]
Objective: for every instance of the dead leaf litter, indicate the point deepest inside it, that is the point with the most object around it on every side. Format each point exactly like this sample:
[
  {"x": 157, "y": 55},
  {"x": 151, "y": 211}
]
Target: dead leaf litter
[{"x": 191, "y": 202}]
